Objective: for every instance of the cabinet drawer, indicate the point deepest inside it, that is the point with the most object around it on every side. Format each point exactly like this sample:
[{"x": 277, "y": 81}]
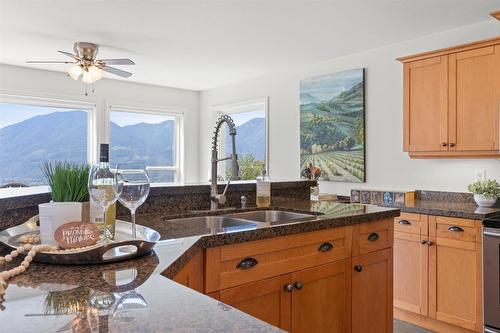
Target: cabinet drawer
[
  {"x": 374, "y": 236},
  {"x": 233, "y": 265},
  {"x": 411, "y": 223},
  {"x": 455, "y": 228}
]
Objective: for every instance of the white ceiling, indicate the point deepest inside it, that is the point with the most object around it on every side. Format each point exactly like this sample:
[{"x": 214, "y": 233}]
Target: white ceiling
[{"x": 201, "y": 44}]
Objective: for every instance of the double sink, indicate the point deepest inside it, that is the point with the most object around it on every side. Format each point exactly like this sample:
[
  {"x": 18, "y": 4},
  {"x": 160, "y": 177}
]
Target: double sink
[{"x": 244, "y": 220}]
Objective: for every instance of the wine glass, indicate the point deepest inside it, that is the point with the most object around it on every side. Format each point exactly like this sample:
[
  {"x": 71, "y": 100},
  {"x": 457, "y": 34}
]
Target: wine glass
[
  {"x": 134, "y": 183},
  {"x": 104, "y": 191}
]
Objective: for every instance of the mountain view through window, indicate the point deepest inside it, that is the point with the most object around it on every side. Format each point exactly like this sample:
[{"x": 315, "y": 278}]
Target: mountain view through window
[
  {"x": 250, "y": 143},
  {"x": 31, "y": 135}
]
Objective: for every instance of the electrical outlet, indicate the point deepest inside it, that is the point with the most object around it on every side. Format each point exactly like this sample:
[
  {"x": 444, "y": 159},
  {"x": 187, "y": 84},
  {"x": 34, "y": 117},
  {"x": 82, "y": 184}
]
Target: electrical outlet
[{"x": 480, "y": 175}]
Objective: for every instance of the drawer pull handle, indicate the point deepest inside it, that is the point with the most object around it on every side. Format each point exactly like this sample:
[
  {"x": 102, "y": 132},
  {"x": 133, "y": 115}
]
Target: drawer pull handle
[
  {"x": 455, "y": 228},
  {"x": 404, "y": 222},
  {"x": 289, "y": 287},
  {"x": 373, "y": 237},
  {"x": 247, "y": 263},
  {"x": 358, "y": 268},
  {"x": 298, "y": 285},
  {"x": 325, "y": 247}
]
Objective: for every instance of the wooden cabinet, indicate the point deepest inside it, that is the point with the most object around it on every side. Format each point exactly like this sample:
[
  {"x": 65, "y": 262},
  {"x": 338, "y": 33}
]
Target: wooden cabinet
[
  {"x": 372, "y": 292},
  {"x": 191, "y": 275},
  {"x": 410, "y": 272},
  {"x": 451, "y": 101},
  {"x": 437, "y": 272},
  {"x": 267, "y": 300},
  {"x": 321, "y": 300},
  {"x": 455, "y": 275}
]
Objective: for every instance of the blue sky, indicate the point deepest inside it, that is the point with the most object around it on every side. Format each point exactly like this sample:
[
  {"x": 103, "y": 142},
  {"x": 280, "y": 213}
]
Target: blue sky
[
  {"x": 14, "y": 113},
  {"x": 327, "y": 86}
]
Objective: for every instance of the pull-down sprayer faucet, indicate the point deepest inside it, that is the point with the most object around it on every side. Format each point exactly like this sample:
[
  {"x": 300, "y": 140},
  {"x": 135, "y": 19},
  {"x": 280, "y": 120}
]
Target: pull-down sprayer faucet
[{"x": 215, "y": 198}]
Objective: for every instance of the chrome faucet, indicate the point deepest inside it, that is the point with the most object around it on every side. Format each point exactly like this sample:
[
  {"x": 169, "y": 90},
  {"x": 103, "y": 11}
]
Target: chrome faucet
[{"x": 215, "y": 198}]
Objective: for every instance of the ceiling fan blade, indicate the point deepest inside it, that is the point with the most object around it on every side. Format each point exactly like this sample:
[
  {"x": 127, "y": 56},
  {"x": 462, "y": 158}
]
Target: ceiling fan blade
[
  {"x": 117, "y": 61},
  {"x": 116, "y": 71},
  {"x": 70, "y": 55},
  {"x": 48, "y": 62}
]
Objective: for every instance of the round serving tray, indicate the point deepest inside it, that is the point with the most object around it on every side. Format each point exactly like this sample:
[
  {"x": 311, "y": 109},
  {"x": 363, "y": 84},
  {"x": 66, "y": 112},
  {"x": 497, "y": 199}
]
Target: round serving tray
[{"x": 121, "y": 248}]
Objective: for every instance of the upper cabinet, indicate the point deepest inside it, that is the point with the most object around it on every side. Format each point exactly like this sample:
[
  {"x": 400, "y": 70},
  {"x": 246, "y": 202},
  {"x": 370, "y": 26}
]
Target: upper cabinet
[{"x": 452, "y": 101}]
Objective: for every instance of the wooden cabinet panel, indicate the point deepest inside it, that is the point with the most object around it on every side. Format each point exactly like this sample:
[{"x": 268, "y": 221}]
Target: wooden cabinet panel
[
  {"x": 374, "y": 236},
  {"x": 411, "y": 223},
  {"x": 372, "y": 292},
  {"x": 410, "y": 272},
  {"x": 192, "y": 274},
  {"x": 266, "y": 300},
  {"x": 426, "y": 105},
  {"x": 323, "y": 302},
  {"x": 275, "y": 256},
  {"x": 474, "y": 93},
  {"x": 455, "y": 279}
]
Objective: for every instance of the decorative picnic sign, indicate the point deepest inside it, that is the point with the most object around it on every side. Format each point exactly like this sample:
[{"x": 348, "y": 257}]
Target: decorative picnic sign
[{"x": 76, "y": 234}]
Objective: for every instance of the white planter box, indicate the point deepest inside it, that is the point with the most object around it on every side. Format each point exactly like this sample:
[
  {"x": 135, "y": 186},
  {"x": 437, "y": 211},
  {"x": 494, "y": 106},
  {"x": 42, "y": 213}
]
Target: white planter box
[
  {"x": 54, "y": 214},
  {"x": 483, "y": 201}
]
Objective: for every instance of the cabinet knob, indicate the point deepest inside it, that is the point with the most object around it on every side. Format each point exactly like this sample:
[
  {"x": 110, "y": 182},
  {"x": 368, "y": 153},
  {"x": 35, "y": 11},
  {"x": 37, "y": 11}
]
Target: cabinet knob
[
  {"x": 289, "y": 287},
  {"x": 429, "y": 242},
  {"x": 451, "y": 145},
  {"x": 423, "y": 241},
  {"x": 247, "y": 263},
  {"x": 443, "y": 144},
  {"x": 298, "y": 285},
  {"x": 325, "y": 247},
  {"x": 358, "y": 268}
]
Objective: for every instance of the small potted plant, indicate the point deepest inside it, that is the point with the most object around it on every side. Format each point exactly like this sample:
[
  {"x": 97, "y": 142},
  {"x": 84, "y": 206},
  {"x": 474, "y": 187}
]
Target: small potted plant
[
  {"x": 485, "y": 192},
  {"x": 70, "y": 197}
]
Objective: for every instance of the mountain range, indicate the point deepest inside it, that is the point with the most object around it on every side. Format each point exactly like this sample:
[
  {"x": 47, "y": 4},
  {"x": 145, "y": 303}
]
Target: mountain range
[{"x": 25, "y": 145}]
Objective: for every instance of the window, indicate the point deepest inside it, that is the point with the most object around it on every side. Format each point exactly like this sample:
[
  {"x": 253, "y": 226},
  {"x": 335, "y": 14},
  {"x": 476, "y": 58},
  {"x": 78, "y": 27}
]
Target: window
[
  {"x": 151, "y": 138},
  {"x": 250, "y": 119},
  {"x": 36, "y": 132}
]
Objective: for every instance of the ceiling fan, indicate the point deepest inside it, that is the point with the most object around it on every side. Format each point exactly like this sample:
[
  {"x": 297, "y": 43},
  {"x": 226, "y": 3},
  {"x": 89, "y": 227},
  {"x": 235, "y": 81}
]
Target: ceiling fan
[{"x": 87, "y": 66}]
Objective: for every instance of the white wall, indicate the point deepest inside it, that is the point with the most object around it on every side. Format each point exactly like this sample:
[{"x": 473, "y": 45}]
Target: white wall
[
  {"x": 51, "y": 84},
  {"x": 387, "y": 166}
]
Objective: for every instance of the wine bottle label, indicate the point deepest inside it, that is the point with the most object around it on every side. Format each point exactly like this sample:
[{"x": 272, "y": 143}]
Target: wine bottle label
[{"x": 104, "y": 152}]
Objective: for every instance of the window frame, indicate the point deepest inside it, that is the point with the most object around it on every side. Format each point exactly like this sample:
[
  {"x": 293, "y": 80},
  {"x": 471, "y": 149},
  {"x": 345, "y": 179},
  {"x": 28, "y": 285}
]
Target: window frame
[
  {"x": 56, "y": 102},
  {"x": 177, "y": 114},
  {"x": 242, "y": 107}
]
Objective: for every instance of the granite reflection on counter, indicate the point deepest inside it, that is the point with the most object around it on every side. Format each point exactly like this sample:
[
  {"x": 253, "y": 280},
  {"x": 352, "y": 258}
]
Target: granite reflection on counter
[
  {"x": 124, "y": 297},
  {"x": 451, "y": 204}
]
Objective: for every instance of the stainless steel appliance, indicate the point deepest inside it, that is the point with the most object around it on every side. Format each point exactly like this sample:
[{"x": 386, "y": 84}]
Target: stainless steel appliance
[{"x": 491, "y": 274}]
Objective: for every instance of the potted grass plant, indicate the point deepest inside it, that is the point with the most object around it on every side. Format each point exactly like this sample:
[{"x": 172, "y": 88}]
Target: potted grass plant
[
  {"x": 486, "y": 192},
  {"x": 70, "y": 197}
]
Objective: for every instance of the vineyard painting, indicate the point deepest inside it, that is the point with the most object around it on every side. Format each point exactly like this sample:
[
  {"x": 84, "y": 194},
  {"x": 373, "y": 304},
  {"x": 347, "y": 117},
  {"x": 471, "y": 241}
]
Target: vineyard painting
[{"x": 332, "y": 125}]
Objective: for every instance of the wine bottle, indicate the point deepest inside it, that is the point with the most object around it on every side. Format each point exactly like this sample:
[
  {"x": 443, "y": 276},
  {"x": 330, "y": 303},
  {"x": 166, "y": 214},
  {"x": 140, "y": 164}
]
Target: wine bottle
[{"x": 107, "y": 227}]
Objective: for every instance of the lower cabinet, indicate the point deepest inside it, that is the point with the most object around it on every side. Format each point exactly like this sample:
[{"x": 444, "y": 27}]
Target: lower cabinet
[
  {"x": 321, "y": 299},
  {"x": 438, "y": 272},
  {"x": 372, "y": 292},
  {"x": 311, "y": 300}
]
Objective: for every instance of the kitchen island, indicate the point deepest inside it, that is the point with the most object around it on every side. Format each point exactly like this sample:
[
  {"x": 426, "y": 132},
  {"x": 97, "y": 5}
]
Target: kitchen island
[{"x": 139, "y": 296}]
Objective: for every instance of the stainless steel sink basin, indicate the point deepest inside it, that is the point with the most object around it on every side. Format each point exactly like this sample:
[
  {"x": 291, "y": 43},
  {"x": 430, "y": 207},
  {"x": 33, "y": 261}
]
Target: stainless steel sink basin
[
  {"x": 272, "y": 216},
  {"x": 214, "y": 224}
]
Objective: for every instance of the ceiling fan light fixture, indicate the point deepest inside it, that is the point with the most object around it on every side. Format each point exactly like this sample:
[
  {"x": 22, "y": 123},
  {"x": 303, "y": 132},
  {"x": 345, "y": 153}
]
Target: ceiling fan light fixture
[
  {"x": 87, "y": 78},
  {"x": 95, "y": 72},
  {"x": 75, "y": 71}
]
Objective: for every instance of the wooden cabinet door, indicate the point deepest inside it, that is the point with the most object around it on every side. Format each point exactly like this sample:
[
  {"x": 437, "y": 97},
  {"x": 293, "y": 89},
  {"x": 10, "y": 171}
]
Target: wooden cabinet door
[
  {"x": 426, "y": 105},
  {"x": 372, "y": 292},
  {"x": 455, "y": 282},
  {"x": 267, "y": 300},
  {"x": 321, "y": 300},
  {"x": 410, "y": 272},
  {"x": 474, "y": 97}
]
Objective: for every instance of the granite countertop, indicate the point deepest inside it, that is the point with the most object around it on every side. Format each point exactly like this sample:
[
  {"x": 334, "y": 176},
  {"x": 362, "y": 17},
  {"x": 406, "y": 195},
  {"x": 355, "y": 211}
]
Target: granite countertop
[
  {"x": 136, "y": 296},
  {"x": 465, "y": 210}
]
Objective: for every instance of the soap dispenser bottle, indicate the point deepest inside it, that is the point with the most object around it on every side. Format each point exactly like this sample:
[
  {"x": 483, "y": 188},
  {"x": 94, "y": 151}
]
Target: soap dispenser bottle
[{"x": 263, "y": 190}]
